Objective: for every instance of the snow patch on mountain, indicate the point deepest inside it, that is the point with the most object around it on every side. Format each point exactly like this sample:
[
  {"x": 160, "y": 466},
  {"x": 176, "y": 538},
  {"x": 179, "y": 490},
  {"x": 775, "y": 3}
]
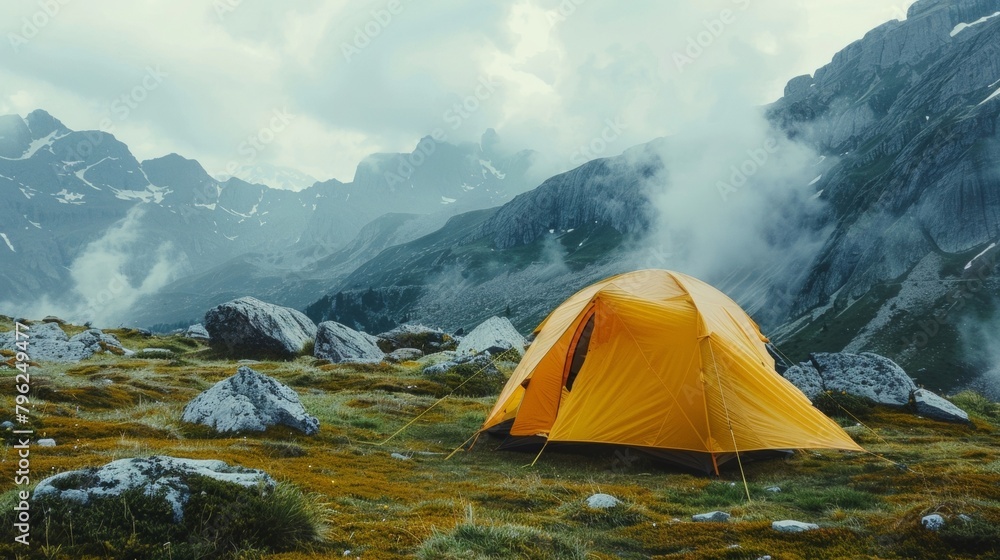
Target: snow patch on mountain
[
  {"x": 66, "y": 197},
  {"x": 488, "y": 166},
  {"x": 963, "y": 26},
  {"x": 992, "y": 95},
  {"x": 6, "y": 240}
]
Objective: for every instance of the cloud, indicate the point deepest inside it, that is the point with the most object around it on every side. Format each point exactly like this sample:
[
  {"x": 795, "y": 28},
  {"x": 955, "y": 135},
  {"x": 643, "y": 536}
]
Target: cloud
[
  {"x": 735, "y": 208},
  {"x": 563, "y": 67},
  {"x": 109, "y": 277}
]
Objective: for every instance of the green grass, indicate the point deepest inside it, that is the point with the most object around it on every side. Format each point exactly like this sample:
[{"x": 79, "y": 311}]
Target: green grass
[
  {"x": 342, "y": 490},
  {"x": 499, "y": 542}
]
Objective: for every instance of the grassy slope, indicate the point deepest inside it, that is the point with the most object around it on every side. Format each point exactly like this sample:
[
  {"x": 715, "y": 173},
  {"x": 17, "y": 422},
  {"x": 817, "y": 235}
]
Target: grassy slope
[{"x": 487, "y": 500}]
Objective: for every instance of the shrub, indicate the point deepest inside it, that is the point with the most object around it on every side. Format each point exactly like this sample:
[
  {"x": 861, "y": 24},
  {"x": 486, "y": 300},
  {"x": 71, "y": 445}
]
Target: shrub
[
  {"x": 220, "y": 519},
  {"x": 978, "y": 405}
]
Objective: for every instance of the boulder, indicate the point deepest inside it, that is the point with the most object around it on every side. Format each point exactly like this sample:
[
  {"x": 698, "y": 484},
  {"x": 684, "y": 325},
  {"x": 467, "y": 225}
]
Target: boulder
[
  {"x": 48, "y": 342},
  {"x": 712, "y": 517},
  {"x": 249, "y": 401},
  {"x": 602, "y": 501},
  {"x": 53, "y": 319},
  {"x": 250, "y": 327},
  {"x": 867, "y": 375},
  {"x": 197, "y": 332},
  {"x": 932, "y": 522},
  {"x": 494, "y": 335},
  {"x": 932, "y": 406},
  {"x": 158, "y": 475},
  {"x": 340, "y": 343},
  {"x": 46, "y": 442},
  {"x": 425, "y": 339},
  {"x": 806, "y": 377},
  {"x": 792, "y": 526},
  {"x": 404, "y": 355}
]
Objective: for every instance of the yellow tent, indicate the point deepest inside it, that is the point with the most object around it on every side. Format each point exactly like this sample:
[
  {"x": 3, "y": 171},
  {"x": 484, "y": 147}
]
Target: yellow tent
[{"x": 663, "y": 362}]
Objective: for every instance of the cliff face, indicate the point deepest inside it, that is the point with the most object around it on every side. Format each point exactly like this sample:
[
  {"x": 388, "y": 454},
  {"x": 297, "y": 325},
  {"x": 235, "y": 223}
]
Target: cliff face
[{"x": 904, "y": 108}]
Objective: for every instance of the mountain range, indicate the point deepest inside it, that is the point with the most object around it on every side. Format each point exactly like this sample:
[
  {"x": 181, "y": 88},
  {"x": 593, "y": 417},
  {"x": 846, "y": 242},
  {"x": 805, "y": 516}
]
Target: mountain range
[{"x": 860, "y": 211}]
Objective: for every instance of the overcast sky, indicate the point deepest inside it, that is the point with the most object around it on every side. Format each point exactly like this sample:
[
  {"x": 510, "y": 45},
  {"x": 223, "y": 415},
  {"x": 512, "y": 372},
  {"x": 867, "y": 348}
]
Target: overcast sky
[{"x": 320, "y": 84}]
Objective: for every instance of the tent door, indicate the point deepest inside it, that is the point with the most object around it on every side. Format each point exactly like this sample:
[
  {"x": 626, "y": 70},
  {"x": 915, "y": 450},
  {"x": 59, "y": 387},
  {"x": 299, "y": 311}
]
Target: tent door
[{"x": 578, "y": 352}]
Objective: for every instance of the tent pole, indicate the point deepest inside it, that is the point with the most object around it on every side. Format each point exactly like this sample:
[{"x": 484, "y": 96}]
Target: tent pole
[
  {"x": 729, "y": 422},
  {"x": 715, "y": 465}
]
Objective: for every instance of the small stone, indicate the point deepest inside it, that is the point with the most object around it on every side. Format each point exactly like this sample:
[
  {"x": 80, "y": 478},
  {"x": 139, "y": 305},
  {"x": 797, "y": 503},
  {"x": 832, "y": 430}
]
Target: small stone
[
  {"x": 792, "y": 526},
  {"x": 932, "y": 522},
  {"x": 7, "y": 425},
  {"x": 602, "y": 501},
  {"x": 404, "y": 355},
  {"x": 712, "y": 517},
  {"x": 964, "y": 518},
  {"x": 47, "y": 442},
  {"x": 774, "y": 489},
  {"x": 399, "y": 456}
]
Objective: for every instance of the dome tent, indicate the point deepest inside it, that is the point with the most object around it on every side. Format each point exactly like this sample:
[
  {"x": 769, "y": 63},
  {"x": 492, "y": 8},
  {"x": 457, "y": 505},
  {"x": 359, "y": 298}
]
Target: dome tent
[{"x": 663, "y": 362}]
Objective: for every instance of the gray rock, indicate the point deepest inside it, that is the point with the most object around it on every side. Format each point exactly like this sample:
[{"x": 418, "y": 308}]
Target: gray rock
[
  {"x": 494, "y": 335},
  {"x": 197, "y": 331},
  {"x": 156, "y": 475},
  {"x": 711, "y": 517},
  {"x": 46, "y": 442},
  {"x": 933, "y": 406},
  {"x": 48, "y": 342},
  {"x": 792, "y": 526},
  {"x": 249, "y": 401},
  {"x": 933, "y": 522},
  {"x": 53, "y": 319},
  {"x": 340, "y": 343},
  {"x": 602, "y": 501},
  {"x": 806, "y": 378},
  {"x": 7, "y": 425},
  {"x": 773, "y": 489},
  {"x": 478, "y": 361},
  {"x": 423, "y": 338},
  {"x": 399, "y": 457},
  {"x": 404, "y": 355},
  {"x": 250, "y": 327},
  {"x": 865, "y": 375}
]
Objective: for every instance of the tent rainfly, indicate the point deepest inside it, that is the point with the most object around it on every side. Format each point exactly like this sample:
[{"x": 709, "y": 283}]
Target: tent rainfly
[{"x": 662, "y": 362}]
